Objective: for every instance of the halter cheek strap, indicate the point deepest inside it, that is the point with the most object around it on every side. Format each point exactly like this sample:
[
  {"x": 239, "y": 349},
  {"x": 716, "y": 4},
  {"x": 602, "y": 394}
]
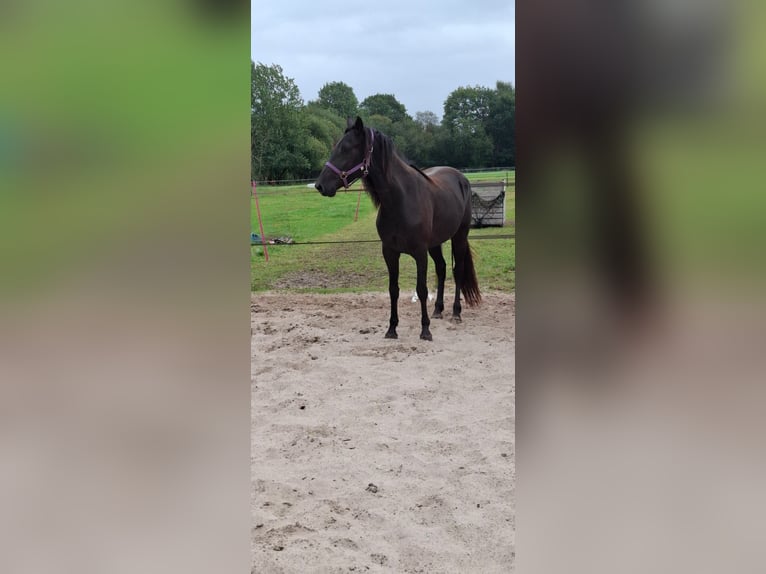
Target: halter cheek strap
[{"x": 363, "y": 166}]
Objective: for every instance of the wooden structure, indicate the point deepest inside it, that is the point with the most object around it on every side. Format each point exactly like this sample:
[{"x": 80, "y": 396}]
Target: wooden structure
[{"x": 488, "y": 204}]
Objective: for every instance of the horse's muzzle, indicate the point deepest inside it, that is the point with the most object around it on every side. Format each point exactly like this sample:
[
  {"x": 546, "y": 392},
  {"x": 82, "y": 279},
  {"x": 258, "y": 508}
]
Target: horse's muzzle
[{"x": 321, "y": 189}]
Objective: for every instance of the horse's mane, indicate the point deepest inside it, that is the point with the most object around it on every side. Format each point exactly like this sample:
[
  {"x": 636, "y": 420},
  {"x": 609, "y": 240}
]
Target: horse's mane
[
  {"x": 382, "y": 157},
  {"x": 420, "y": 171}
]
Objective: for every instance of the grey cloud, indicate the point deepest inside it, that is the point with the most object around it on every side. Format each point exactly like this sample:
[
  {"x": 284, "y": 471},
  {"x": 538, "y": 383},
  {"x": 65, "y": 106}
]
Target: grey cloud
[{"x": 418, "y": 51}]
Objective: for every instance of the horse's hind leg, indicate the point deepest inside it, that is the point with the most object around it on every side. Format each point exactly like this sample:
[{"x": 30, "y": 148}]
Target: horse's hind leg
[
  {"x": 392, "y": 262},
  {"x": 441, "y": 273},
  {"x": 459, "y": 250}
]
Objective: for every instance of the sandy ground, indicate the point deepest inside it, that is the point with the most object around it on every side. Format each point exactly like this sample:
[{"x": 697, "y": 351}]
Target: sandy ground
[{"x": 376, "y": 455}]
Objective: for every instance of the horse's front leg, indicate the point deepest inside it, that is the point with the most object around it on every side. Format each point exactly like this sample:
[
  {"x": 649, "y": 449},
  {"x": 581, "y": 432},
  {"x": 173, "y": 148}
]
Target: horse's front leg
[
  {"x": 421, "y": 260},
  {"x": 392, "y": 262}
]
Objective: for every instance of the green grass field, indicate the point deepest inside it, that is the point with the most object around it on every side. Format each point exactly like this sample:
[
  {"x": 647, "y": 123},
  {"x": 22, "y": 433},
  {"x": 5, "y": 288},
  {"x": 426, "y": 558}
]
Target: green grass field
[{"x": 302, "y": 214}]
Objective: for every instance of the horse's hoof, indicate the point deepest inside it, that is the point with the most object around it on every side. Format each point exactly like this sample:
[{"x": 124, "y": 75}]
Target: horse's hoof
[
  {"x": 436, "y": 315},
  {"x": 456, "y": 319},
  {"x": 426, "y": 336},
  {"x": 392, "y": 335}
]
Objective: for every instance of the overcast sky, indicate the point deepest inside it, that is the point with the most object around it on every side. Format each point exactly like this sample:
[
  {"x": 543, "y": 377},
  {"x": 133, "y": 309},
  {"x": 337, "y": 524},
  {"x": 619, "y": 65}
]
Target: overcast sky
[{"x": 418, "y": 50}]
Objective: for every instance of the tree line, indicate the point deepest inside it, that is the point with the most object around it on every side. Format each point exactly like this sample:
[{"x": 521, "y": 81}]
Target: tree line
[{"x": 291, "y": 139}]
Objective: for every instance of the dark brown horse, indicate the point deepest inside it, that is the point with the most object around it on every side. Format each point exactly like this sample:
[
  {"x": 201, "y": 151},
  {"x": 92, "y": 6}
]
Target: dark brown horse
[{"x": 417, "y": 212}]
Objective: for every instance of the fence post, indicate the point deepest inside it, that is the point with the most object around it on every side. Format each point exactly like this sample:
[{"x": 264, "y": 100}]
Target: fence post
[{"x": 260, "y": 222}]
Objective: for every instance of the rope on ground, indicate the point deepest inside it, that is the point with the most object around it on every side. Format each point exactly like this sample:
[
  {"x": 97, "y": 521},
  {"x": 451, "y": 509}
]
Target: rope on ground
[{"x": 472, "y": 238}]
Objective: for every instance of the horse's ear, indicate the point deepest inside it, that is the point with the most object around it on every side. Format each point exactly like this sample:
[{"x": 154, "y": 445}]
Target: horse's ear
[
  {"x": 359, "y": 125},
  {"x": 349, "y": 122}
]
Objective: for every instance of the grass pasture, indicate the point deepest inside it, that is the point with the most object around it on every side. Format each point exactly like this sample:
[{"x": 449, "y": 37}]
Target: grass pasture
[{"x": 302, "y": 214}]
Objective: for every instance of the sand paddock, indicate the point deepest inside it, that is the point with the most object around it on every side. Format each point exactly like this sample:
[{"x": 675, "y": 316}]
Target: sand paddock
[{"x": 375, "y": 455}]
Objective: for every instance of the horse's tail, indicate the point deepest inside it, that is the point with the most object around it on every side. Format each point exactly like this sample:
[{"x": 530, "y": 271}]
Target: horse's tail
[{"x": 470, "y": 285}]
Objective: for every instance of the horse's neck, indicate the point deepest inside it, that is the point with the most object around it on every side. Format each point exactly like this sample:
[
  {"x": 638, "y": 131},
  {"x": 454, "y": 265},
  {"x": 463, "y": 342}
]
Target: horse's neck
[{"x": 389, "y": 189}]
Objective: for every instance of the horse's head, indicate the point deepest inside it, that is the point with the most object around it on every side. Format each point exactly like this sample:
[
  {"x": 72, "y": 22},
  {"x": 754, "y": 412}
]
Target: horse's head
[{"x": 349, "y": 159}]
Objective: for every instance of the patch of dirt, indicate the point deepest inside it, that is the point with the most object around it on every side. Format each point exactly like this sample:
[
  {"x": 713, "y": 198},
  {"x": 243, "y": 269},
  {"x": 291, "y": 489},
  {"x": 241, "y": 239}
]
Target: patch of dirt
[
  {"x": 338, "y": 409},
  {"x": 318, "y": 280}
]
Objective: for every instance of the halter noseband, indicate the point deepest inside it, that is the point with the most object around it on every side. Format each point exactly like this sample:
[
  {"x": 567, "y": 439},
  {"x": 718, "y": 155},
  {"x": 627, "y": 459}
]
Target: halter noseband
[{"x": 363, "y": 166}]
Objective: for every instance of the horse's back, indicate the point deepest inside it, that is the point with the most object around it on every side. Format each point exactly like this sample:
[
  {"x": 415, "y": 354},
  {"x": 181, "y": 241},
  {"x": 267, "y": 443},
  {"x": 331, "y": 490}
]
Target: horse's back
[
  {"x": 450, "y": 185},
  {"x": 443, "y": 171},
  {"x": 449, "y": 179}
]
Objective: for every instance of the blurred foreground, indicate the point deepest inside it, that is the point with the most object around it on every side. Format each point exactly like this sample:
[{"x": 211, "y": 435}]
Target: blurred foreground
[
  {"x": 640, "y": 287},
  {"x": 124, "y": 290}
]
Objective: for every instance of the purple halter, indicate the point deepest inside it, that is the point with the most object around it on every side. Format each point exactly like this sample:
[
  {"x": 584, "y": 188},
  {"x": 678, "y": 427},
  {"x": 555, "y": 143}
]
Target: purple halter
[{"x": 363, "y": 167}]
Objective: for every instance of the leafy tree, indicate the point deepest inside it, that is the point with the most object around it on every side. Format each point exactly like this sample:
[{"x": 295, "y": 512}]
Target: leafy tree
[
  {"x": 426, "y": 120},
  {"x": 467, "y": 107},
  {"x": 466, "y": 111},
  {"x": 332, "y": 123},
  {"x": 291, "y": 139},
  {"x": 276, "y": 125},
  {"x": 339, "y": 98},
  {"x": 501, "y": 124},
  {"x": 384, "y": 105},
  {"x": 381, "y": 123},
  {"x": 323, "y": 128}
]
